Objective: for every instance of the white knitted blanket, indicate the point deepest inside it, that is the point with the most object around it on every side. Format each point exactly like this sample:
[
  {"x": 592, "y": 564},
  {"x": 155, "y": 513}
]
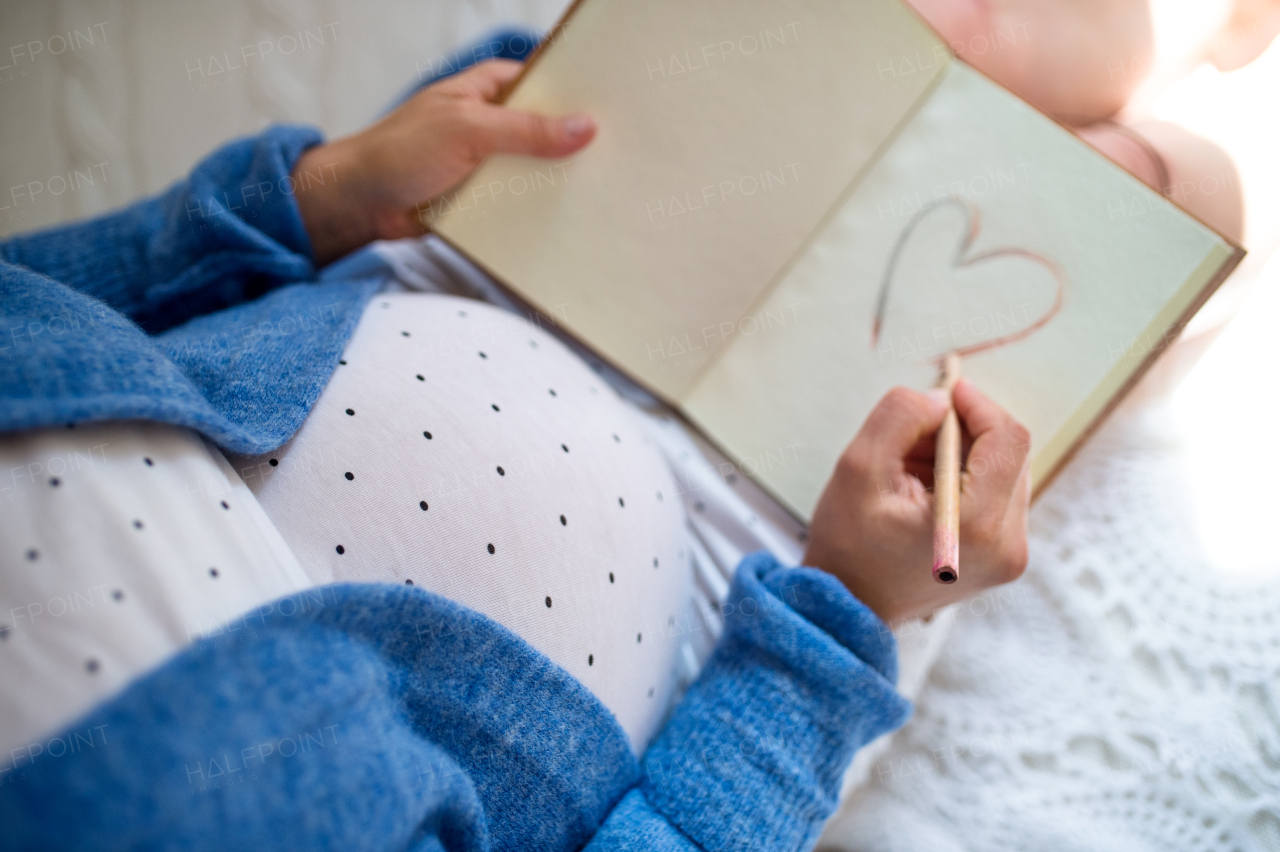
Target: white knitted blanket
[{"x": 1121, "y": 696}]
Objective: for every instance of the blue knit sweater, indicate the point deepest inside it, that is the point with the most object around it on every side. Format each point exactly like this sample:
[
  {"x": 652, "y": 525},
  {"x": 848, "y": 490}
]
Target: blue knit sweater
[
  {"x": 377, "y": 717},
  {"x": 385, "y": 718},
  {"x": 198, "y": 307}
]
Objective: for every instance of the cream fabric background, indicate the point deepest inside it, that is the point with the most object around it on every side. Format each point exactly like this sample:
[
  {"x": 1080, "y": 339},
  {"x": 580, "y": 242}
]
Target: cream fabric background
[{"x": 135, "y": 109}]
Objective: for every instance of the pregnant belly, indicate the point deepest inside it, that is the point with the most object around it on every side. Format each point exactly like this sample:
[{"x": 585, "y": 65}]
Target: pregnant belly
[{"x": 466, "y": 451}]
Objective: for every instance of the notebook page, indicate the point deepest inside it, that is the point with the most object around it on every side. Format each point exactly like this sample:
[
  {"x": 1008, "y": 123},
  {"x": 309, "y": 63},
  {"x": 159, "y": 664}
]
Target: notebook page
[
  {"x": 1040, "y": 205},
  {"x": 728, "y": 128}
]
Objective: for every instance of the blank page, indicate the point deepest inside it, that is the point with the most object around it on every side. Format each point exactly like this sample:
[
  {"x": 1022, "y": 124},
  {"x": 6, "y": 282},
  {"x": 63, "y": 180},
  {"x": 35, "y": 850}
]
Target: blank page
[{"x": 728, "y": 129}]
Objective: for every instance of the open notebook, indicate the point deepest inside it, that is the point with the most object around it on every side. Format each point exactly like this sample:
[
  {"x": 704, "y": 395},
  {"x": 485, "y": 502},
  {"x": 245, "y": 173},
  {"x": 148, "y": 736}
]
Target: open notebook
[{"x": 794, "y": 205}]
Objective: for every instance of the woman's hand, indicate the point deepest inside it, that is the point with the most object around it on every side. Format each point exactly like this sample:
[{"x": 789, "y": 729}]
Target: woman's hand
[
  {"x": 374, "y": 180},
  {"x": 873, "y": 528}
]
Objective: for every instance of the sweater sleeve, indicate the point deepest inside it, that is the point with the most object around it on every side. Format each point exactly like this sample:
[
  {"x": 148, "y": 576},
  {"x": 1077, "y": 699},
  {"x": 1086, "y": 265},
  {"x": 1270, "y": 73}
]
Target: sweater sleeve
[
  {"x": 753, "y": 757},
  {"x": 384, "y": 717},
  {"x": 346, "y": 717},
  {"x": 227, "y": 233}
]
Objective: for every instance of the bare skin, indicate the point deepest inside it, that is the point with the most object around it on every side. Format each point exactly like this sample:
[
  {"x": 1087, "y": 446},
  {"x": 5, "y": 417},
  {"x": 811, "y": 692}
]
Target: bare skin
[
  {"x": 1249, "y": 31},
  {"x": 1080, "y": 62}
]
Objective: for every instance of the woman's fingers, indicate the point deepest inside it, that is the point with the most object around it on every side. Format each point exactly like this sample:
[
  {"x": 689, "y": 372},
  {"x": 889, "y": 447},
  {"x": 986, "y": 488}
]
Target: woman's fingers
[
  {"x": 495, "y": 129},
  {"x": 508, "y": 131},
  {"x": 1000, "y": 447},
  {"x": 895, "y": 427},
  {"x": 485, "y": 79},
  {"x": 460, "y": 112},
  {"x": 995, "y": 487}
]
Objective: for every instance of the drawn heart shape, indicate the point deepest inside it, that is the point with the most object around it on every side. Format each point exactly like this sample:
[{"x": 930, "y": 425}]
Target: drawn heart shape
[{"x": 962, "y": 259}]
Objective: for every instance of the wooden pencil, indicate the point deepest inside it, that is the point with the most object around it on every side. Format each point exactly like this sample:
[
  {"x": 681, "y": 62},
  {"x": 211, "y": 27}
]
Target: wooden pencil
[{"x": 946, "y": 484}]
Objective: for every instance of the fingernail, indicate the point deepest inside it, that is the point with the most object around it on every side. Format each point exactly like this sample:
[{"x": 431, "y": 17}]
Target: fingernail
[
  {"x": 940, "y": 396},
  {"x": 577, "y": 126}
]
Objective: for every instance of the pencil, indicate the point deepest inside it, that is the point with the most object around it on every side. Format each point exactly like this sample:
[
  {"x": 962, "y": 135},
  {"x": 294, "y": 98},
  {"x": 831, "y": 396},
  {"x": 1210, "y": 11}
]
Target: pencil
[{"x": 946, "y": 484}]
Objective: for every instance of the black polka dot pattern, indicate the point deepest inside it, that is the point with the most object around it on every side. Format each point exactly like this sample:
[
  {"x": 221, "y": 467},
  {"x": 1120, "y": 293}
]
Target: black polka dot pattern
[{"x": 478, "y": 500}]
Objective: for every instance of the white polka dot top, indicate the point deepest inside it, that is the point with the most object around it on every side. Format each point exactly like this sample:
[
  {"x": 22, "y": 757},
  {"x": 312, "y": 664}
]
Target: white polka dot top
[{"x": 461, "y": 449}]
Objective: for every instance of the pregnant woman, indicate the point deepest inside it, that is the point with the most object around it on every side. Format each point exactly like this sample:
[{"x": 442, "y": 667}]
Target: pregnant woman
[{"x": 433, "y": 603}]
